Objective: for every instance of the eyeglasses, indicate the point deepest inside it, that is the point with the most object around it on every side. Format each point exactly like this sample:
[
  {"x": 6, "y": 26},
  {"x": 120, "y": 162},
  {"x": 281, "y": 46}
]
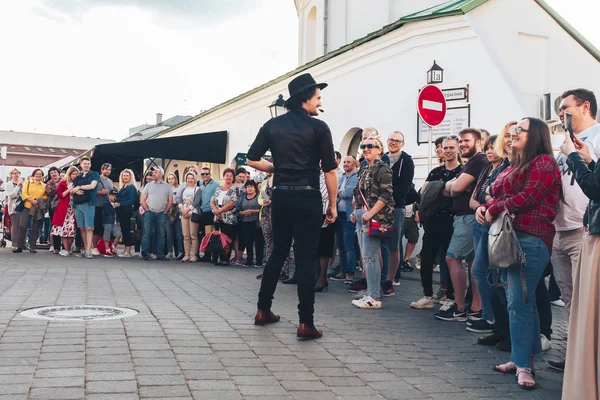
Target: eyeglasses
[
  {"x": 518, "y": 130},
  {"x": 204, "y": 173},
  {"x": 395, "y": 141},
  {"x": 368, "y": 146}
]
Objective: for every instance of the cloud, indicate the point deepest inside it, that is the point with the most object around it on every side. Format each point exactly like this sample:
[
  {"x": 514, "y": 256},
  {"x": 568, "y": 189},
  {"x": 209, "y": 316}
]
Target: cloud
[{"x": 166, "y": 12}]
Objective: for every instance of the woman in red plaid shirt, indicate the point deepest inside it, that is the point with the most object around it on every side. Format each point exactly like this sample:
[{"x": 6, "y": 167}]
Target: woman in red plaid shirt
[{"x": 530, "y": 189}]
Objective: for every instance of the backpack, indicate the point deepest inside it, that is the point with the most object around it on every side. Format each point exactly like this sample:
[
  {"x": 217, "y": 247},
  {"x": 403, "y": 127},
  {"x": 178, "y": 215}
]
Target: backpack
[
  {"x": 412, "y": 196},
  {"x": 432, "y": 200}
]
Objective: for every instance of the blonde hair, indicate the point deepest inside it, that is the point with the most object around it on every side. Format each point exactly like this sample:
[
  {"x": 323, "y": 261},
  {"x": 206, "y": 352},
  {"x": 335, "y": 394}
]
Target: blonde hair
[
  {"x": 192, "y": 173},
  {"x": 174, "y": 176},
  {"x": 67, "y": 177},
  {"x": 131, "y": 178},
  {"x": 377, "y": 139},
  {"x": 501, "y": 141},
  {"x": 14, "y": 170}
]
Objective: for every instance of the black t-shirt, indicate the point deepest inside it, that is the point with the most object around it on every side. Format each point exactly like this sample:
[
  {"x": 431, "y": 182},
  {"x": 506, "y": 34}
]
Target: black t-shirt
[
  {"x": 298, "y": 143},
  {"x": 473, "y": 167},
  {"x": 442, "y": 173}
]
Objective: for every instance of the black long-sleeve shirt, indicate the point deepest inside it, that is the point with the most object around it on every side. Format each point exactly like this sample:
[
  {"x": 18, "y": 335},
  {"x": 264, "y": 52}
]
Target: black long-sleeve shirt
[
  {"x": 298, "y": 144},
  {"x": 403, "y": 172}
]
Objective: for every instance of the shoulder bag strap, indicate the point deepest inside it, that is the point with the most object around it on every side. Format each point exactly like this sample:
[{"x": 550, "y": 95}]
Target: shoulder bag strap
[{"x": 363, "y": 197}]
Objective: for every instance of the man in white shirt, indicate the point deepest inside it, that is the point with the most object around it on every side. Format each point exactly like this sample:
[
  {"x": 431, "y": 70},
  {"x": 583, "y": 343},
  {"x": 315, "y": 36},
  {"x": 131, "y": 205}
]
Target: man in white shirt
[{"x": 580, "y": 103}]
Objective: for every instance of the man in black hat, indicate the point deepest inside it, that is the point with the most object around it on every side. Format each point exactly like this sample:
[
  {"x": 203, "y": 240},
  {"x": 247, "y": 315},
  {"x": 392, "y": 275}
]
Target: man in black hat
[{"x": 298, "y": 144}]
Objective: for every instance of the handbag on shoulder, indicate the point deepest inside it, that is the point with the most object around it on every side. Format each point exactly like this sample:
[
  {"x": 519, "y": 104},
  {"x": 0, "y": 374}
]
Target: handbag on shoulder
[
  {"x": 504, "y": 249},
  {"x": 375, "y": 228}
]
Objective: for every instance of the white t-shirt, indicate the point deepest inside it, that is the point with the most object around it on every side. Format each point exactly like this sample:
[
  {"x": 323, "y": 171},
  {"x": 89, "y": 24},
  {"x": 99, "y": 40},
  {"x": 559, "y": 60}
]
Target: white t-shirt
[
  {"x": 570, "y": 213},
  {"x": 187, "y": 197}
]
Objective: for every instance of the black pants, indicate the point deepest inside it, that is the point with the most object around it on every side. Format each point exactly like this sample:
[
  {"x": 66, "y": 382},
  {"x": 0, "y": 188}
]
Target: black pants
[
  {"x": 438, "y": 233},
  {"x": 295, "y": 214},
  {"x": 55, "y": 239},
  {"x": 124, "y": 218},
  {"x": 252, "y": 236}
]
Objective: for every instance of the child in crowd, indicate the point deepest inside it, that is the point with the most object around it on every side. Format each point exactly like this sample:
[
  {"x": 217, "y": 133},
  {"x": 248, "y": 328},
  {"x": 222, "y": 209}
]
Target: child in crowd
[{"x": 111, "y": 226}]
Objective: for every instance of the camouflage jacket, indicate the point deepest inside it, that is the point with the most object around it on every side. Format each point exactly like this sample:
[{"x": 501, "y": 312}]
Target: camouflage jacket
[{"x": 375, "y": 183}]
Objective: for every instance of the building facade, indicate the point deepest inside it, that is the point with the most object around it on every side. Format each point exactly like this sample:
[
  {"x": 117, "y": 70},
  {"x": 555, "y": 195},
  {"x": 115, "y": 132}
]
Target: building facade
[{"x": 510, "y": 56}]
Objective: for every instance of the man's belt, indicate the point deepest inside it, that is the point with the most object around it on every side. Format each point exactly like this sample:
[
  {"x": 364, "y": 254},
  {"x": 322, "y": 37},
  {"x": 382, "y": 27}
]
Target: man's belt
[{"x": 284, "y": 187}]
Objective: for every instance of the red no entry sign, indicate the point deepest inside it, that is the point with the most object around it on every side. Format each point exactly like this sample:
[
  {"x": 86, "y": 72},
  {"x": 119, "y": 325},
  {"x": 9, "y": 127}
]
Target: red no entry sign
[{"x": 431, "y": 105}]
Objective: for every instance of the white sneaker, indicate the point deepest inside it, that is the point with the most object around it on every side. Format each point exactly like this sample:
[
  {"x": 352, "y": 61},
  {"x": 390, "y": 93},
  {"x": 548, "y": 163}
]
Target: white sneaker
[
  {"x": 368, "y": 302},
  {"x": 436, "y": 268},
  {"x": 446, "y": 306},
  {"x": 546, "y": 344},
  {"x": 396, "y": 282},
  {"x": 558, "y": 303},
  {"x": 64, "y": 253},
  {"x": 51, "y": 248},
  {"x": 124, "y": 255},
  {"x": 95, "y": 252},
  {"x": 423, "y": 302}
]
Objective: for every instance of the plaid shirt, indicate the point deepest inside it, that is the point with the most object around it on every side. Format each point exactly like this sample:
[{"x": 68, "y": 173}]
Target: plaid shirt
[{"x": 532, "y": 196}]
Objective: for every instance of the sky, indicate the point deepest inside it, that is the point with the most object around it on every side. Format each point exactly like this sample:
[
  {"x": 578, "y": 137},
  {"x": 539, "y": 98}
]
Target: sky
[{"x": 96, "y": 68}]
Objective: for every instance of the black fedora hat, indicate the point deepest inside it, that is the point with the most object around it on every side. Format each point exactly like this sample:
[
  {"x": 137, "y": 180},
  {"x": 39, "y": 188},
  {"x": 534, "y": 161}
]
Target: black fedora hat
[{"x": 303, "y": 82}]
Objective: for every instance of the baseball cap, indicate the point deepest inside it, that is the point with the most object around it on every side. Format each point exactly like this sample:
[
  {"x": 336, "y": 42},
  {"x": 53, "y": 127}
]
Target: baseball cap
[
  {"x": 162, "y": 171},
  {"x": 114, "y": 191}
]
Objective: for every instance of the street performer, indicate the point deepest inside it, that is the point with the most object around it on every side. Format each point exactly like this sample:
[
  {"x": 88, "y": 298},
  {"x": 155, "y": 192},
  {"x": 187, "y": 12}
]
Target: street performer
[{"x": 300, "y": 146}]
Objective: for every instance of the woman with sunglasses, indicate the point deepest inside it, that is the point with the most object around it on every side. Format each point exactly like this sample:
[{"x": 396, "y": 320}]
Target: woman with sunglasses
[
  {"x": 530, "y": 189},
  {"x": 373, "y": 199}
]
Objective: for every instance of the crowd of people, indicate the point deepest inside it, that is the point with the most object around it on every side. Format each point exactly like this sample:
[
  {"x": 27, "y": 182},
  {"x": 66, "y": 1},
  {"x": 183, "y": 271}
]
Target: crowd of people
[{"x": 552, "y": 200}]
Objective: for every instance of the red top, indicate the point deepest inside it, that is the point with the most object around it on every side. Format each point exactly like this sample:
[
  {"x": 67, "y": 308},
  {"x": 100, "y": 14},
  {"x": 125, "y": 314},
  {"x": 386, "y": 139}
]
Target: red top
[
  {"x": 60, "y": 212},
  {"x": 532, "y": 196}
]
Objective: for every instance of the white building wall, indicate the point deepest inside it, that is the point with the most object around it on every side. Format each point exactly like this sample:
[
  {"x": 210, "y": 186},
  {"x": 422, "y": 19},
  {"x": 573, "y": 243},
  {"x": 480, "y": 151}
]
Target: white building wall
[
  {"x": 532, "y": 51},
  {"x": 376, "y": 84}
]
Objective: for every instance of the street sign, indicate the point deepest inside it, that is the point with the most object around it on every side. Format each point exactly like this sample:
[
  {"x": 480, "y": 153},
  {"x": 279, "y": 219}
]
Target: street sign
[{"x": 431, "y": 105}]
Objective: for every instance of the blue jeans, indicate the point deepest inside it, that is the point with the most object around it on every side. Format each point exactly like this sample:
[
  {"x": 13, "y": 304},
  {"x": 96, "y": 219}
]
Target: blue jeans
[
  {"x": 344, "y": 239},
  {"x": 155, "y": 226},
  {"x": 174, "y": 231},
  {"x": 480, "y": 269},
  {"x": 369, "y": 249},
  {"x": 523, "y": 318}
]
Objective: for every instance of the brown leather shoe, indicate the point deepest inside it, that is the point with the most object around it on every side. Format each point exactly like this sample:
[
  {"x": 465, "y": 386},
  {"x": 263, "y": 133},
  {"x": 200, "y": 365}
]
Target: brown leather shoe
[
  {"x": 306, "y": 331},
  {"x": 265, "y": 317}
]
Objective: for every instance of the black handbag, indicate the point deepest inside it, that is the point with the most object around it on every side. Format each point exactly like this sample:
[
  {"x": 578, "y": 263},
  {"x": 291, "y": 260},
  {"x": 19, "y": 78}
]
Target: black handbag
[
  {"x": 81, "y": 198},
  {"x": 20, "y": 203},
  {"x": 195, "y": 218}
]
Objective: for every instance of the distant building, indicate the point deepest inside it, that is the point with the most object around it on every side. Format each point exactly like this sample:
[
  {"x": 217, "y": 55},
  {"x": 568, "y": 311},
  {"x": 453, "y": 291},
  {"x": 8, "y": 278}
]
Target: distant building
[
  {"x": 27, "y": 151},
  {"x": 146, "y": 131}
]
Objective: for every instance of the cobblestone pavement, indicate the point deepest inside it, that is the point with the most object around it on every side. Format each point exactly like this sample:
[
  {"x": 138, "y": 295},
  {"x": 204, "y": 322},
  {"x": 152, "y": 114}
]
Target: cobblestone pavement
[{"x": 194, "y": 338}]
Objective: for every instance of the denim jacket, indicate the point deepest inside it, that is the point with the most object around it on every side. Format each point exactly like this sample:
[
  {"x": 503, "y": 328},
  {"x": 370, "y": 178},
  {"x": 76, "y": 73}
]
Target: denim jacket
[{"x": 348, "y": 194}]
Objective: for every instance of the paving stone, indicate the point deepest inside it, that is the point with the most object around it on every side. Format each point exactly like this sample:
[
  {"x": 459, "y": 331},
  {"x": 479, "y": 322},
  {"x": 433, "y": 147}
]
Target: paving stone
[
  {"x": 163, "y": 391},
  {"x": 57, "y": 393},
  {"x": 274, "y": 390},
  {"x": 72, "y": 381},
  {"x": 111, "y": 387},
  {"x": 17, "y": 388},
  {"x": 303, "y": 385},
  {"x": 211, "y": 386},
  {"x": 295, "y": 376},
  {"x": 113, "y": 396},
  {"x": 111, "y": 376},
  {"x": 230, "y": 395}
]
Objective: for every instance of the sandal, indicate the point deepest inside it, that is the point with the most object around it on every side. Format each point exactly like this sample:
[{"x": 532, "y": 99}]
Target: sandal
[
  {"x": 525, "y": 385},
  {"x": 513, "y": 368}
]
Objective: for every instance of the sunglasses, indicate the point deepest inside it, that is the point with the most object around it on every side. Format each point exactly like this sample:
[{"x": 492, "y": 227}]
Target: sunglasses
[
  {"x": 368, "y": 146},
  {"x": 204, "y": 173},
  {"x": 106, "y": 165},
  {"x": 518, "y": 130}
]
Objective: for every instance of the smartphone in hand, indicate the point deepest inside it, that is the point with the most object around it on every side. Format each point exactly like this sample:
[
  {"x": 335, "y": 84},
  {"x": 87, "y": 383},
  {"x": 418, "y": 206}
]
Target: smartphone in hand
[{"x": 569, "y": 125}]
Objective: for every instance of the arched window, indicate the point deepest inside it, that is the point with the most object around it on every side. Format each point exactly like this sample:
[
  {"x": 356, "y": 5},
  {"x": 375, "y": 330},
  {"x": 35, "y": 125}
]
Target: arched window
[{"x": 311, "y": 34}]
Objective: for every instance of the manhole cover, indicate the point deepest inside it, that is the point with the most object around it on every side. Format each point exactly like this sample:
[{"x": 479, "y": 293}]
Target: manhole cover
[{"x": 78, "y": 313}]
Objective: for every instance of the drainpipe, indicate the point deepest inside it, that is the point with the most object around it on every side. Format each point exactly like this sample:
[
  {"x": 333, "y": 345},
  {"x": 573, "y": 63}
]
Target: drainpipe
[{"x": 325, "y": 19}]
